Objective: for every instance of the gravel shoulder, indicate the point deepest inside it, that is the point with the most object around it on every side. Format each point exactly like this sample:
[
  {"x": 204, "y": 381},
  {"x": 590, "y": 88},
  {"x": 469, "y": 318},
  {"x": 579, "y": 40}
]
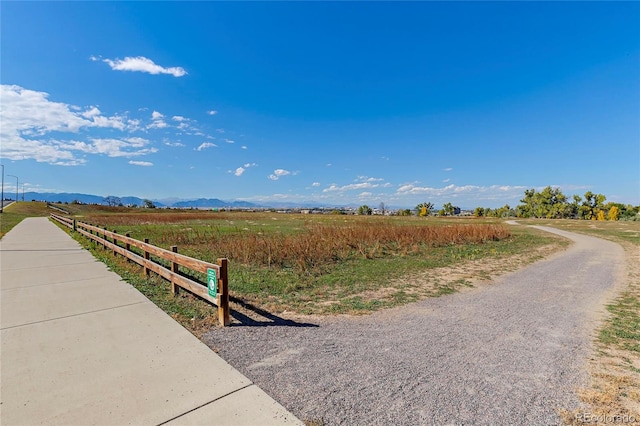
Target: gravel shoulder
[{"x": 512, "y": 352}]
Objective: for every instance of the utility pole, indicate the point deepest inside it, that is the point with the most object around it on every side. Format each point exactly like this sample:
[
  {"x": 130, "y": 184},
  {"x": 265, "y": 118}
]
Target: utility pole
[
  {"x": 17, "y": 186},
  {"x": 2, "y": 196}
]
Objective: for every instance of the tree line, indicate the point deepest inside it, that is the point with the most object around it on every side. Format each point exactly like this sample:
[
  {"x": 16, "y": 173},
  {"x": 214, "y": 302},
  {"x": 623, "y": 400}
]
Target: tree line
[{"x": 550, "y": 203}]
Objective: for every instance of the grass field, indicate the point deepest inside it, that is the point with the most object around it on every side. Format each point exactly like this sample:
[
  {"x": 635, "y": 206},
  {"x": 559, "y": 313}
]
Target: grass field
[{"x": 320, "y": 264}]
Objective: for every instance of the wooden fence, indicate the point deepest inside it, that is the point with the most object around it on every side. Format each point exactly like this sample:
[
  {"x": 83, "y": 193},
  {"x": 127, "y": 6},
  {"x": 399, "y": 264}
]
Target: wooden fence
[{"x": 110, "y": 240}]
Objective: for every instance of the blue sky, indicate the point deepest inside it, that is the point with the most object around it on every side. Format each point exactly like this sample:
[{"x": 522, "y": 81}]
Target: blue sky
[{"x": 338, "y": 103}]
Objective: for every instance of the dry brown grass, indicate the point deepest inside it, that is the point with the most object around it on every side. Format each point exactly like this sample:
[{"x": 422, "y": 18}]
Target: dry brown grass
[
  {"x": 305, "y": 245},
  {"x": 321, "y": 244}
]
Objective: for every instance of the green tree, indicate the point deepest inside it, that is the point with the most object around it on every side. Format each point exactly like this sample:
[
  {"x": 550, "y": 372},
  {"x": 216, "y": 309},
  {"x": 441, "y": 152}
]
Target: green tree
[
  {"x": 112, "y": 201},
  {"x": 478, "y": 212},
  {"x": 365, "y": 210},
  {"x": 573, "y": 210},
  {"x": 449, "y": 209},
  {"x": 148, "y": 204},
  {"x": 504, "y": 211},
  {"x": 528, "y": 204},
  {"x": 591, "y": 205},
  {"x": 549, "y": 203}
]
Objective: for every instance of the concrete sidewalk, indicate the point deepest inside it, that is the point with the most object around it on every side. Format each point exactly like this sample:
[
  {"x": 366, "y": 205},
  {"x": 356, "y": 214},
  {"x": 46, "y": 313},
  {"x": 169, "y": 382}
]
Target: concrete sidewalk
[{"x": 79, "y": 346}]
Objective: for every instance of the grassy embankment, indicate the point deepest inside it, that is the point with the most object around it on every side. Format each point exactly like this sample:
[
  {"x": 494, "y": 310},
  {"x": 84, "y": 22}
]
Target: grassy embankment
[{"x": 615, "y": 370}]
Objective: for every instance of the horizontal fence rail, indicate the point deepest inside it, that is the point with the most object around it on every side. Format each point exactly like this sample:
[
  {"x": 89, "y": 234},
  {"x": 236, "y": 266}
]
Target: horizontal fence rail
[{"x": 102, "y": 236}]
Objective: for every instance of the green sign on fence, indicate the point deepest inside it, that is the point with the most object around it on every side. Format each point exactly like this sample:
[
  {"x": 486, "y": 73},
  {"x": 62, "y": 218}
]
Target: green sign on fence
[{"x": 212, "y": 280}]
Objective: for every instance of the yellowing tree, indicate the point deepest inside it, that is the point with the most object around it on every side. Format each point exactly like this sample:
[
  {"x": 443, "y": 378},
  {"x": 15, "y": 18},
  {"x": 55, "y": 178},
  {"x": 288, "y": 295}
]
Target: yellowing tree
[
  {"x": 601, "y": 215},
  {"x": 614, "y": 213},
  {"x": 424, "y": 209}
]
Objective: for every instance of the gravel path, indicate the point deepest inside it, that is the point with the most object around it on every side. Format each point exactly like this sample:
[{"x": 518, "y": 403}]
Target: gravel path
[{"x": 508, "y": 353}]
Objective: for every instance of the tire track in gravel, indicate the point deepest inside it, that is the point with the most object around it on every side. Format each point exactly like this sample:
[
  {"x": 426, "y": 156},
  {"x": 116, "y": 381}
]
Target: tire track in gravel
[{"x": 513, "y": 352}]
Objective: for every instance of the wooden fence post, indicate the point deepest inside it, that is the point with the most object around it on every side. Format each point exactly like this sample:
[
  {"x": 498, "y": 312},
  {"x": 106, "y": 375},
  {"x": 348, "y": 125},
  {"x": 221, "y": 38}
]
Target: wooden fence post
[
  {"x": 223, "y": 294},
  {"x": 115, "y": 243},
  {"x": 75, "y": 225},
  {"x": 174, "y": 268},
  {"x": 146, "y": 256},
  {"x": 127, "y": 246},
  {"x": 104, "y": 238}
]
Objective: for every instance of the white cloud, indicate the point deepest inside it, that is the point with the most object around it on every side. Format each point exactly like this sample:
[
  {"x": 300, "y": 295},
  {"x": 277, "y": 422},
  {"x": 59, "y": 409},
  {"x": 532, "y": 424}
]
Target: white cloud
[
  {"x": 240, "y": 170},
  {"x": 174, "y": 144},
  {"x": 491, "y": 192},
  {"x": 205, "y": 145},
  {"x": 128, "y": 147},
  {"x": 212, "y": 112},
  {"x": 133, "y": 125},
  {"x": 137, "y": 142},
  {"x": 445, "y": 180},
  {"x": 114, "y": 122},
  {"x": 178, "y": 118},
  {"x": 315, "y": 184},
  {"x": 142, "y": 64},
  {"x": 141, "y": 163},
  {"x": 28, "y": 116},
  {"x": 368, "y": 179},
  {"x": 91, "y": 113},
  {"x": 157, "y": 121},
  {"x": 158, "y": 124},
  {"x": 448, "y": 169},
  {"x": 229, "y": 141},
  {"x": 243, "y": 147},
  {"x": 353, "y": 186},
  {"x": 278, "y": 173}
]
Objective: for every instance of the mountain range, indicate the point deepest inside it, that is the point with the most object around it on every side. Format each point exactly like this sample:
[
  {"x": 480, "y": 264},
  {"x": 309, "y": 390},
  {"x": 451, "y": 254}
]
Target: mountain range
[{"x": 200, "y": 203}]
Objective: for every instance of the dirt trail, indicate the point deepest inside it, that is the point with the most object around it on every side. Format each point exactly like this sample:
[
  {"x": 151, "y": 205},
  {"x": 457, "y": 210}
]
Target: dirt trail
[{"x": 508, "y": 353}]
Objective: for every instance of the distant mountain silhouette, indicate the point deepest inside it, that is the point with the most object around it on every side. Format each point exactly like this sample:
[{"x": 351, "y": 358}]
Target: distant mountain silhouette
[
  {"x": 64, "y": 197},
  {"x": 213, "y": 202},
  {"x": 200, "y": 203}
]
